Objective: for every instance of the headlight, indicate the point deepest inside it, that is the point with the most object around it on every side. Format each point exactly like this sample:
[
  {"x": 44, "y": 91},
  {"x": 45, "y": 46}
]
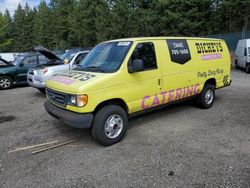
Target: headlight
[
  {"x": 82, "y": 100},
  {"x": 78, "y": 100},
  {"x": 43, "y": 71}
]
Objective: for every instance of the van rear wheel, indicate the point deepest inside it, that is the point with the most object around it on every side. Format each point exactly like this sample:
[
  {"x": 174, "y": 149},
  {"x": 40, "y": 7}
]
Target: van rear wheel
[
  {"x": 110, "y": 125},
  {"x": 248, "y": 68},
  {"x": 206, "y": 98},
  {"x": 236, "y": 64}
]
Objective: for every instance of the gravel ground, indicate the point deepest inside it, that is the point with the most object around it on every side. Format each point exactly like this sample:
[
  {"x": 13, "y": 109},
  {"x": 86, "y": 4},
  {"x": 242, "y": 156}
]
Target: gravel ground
[{"x": 179, "y": 146}]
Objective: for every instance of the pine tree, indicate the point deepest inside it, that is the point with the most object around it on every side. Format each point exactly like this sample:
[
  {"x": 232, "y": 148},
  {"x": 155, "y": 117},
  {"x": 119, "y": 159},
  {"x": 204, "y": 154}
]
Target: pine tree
[
  {"x": 5, "y": 41},
  {"x": 8, "y": 48},
  {"x": 61, "y": 11},
  {"x": 103, "y": 21},
  {"x": 22, "y": 28},
  {"x": 28, "y": 26},
  {"x": 43, "y": 27},
  {"x": 84, "y": 21}
]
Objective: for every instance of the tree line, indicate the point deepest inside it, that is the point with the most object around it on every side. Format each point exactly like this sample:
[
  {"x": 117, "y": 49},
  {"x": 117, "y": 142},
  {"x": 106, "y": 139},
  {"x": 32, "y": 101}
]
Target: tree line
[{"x": 61, "y": 24}]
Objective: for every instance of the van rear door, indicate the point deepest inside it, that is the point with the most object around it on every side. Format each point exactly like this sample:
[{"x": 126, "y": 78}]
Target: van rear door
[{"x": 241, "y": 53}]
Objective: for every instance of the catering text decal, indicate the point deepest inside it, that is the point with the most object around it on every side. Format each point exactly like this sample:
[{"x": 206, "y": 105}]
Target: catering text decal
[{"x": 169, "y": 96}]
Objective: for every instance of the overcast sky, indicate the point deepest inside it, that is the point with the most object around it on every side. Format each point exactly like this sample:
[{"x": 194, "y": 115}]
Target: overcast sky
[{"x": 11, "y": 5}]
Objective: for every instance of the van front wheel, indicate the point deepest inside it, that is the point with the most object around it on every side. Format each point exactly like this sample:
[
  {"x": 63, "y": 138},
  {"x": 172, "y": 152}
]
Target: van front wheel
[
  {"x": 110, "y": 125},
  {"x": 206, "y": 98}
]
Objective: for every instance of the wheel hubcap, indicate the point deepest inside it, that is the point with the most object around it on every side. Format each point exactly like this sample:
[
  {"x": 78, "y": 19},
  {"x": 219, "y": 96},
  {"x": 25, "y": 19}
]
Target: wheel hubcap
[
  {"x": 5, "y": 83},
  {"x": 209, "y": 96},
  {"x": 113, "y": 126}
]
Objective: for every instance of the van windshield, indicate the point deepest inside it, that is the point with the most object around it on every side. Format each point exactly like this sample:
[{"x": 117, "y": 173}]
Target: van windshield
[{"x": 105, "y": 57}]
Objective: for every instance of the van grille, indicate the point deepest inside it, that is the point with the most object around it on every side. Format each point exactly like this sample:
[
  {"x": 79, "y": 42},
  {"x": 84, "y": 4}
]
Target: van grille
[{"x": 58, "y": 98}]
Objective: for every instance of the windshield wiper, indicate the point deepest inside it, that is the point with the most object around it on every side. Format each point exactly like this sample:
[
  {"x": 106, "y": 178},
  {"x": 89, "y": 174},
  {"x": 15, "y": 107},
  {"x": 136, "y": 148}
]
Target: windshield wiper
[{"x": 92, "y": 68}]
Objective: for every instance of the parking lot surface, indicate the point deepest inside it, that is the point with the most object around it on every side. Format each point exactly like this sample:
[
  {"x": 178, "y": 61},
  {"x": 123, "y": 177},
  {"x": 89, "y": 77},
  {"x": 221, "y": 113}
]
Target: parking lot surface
[{"x": 178, "y": 146}]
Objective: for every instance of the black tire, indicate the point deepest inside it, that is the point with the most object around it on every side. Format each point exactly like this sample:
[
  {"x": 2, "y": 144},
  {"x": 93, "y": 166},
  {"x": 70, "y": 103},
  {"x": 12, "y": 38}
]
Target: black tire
[
  {"x": 236, "y": 64},
  {"x": 42, "y": 90},
  {"x": 248, "y": 68},
  {"x": 203, "y": 100},
  {"x": 6, "y": 82},
  {"x": 103, "y": 116}
]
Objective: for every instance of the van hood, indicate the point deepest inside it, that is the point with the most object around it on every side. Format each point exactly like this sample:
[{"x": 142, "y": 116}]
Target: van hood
[
  {"x": 76, "y": 82},
  {"x": 47, "y": 53}
]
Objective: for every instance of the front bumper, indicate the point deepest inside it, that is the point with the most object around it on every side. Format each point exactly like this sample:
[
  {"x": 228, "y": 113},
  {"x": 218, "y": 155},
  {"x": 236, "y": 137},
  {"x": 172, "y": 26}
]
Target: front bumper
[
  {"x": 35, "y": 81},
  {"x": 70, "y": 118}
]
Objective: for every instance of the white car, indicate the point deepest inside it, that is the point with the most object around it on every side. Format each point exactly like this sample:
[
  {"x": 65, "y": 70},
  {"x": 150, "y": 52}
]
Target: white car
[
  {"x": 242, "y": 55},
  {"x": 36, "y": 77}
]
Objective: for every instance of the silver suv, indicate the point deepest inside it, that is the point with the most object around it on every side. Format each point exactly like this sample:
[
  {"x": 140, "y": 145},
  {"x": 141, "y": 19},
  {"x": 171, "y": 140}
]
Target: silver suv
[{"x": 36, "y": 77}]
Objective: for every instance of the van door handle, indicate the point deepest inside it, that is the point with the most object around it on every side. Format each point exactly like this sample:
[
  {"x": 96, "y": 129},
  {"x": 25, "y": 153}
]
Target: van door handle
[{"x": 159, "y": 83}]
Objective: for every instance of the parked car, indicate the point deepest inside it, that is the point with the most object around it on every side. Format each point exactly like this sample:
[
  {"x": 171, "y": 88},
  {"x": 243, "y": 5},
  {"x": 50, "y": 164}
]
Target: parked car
[
  {"x": 4, "y": 63},
  {"x": 16, "y": 72},
  {"x": 37, "y": 76},
  {"x": 122, "y": 78},
  {"x": 242, "y": 55}
]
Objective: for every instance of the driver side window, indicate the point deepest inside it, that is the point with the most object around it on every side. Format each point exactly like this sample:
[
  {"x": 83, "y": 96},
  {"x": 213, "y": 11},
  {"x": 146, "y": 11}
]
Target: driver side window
[{"x": 146, "y": 53}]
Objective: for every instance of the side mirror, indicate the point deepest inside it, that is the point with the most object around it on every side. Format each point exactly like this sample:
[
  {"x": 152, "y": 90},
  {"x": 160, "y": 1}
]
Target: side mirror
[{"x": 137, "y": 66}]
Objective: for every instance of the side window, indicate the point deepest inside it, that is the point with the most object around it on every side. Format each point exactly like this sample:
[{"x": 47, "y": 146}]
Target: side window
[
  {"x": 146, "y": 53},
  {"x": 245, "y": 52},
  {"x": 79, "y": 58},
  {"x": 30, "y": 61},
  {"x": 42, "y": 59}
]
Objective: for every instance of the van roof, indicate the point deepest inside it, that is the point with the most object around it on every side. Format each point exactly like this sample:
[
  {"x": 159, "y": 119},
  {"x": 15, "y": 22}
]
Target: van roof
[{"x": 163, "y": 38}]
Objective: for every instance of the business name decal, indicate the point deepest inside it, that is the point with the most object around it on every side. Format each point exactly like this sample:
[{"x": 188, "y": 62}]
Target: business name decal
[
  {"x": 169, "y": 96},
  {"x": 209, "y": 50},
  {"x": 72, "y": 76}
]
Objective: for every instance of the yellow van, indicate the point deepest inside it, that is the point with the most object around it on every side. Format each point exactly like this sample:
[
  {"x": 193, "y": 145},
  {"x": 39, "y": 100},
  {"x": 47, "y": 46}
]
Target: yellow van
[{"x": 122, "y": 78}]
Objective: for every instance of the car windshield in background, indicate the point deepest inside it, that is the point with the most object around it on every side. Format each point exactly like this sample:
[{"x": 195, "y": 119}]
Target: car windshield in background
[
  {"x": 105, "y": 57},
  {"x": 18, "y": 60},
  {"x": 66, "y": 57}
]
